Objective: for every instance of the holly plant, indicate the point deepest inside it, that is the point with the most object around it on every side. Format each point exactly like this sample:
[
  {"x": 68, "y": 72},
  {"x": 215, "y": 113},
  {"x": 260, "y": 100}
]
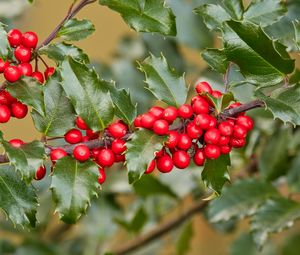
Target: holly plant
[{"x": 154, "y": 127}]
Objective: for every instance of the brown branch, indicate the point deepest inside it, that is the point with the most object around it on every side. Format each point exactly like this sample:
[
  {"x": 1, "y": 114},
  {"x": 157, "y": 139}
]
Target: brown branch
[{"x": 162, "y": 229}]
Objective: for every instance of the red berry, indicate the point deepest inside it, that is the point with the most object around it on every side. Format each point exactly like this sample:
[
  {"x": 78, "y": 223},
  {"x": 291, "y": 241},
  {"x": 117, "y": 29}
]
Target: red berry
[
  {"x": 170, "y": 114},
  {"x": 212, "y": 136},
  {"x": 40, "y": 173},
  {"x": 30, "y": 39},
  {"x": 16, "y": 143},
  {"x": 239, "y": 132},
  {"x": 38, "y": 76},
  {"x": 237, "y": 143},
  {"x": 6, "y": 98},
  {"x": 193, "y": 131},
  {"x": 173, "y": 139},
  {"x": 161, "y": 127},
  {"x": 12, "y": 74},
  {"x": 19, "y": 110},
  {"x": 25, "y": 69},
  {"x": 159, "y": 153},
  {"x": 212, "y": 151},
  {"x": 81, "y": 152},
  {"x": 224, "y": 140},
  {"x": 245, "y": 121},
  {"x": 118, "y": 146},
  {"x": 225, "y": 149},
  {"x": 148, "y": 120},
  {"x": 106, "y": 158},
  {"x": 185, "y": 111},
  {"x": 92, "y": 134},
  {"x": 49, "y": 72},
  {"x": 57, "y": 154},
  {"x": 165, "y": 164},
  {"x": 81, "y": 124},
  {"x": 85, "y": 139},
  {"x": 14, "y": 37},
  {"x": 157, "y": 111},
  {"x": 212, "y": 122},
  {"x": 4, "y": 114},
  {"x": 150, "y": 167},
  {"x": 117, "y": 130},
  {"x": 23, "y": 54},
  {"x": 184, "y": 142},
  {"x": 202, "y": 87},
  {"x": 137, "y": 121},
  {"x": 200, "y": 106},
  {"x": 119, "y": 158},
  {"x": 3, "y": 65},
  {"x": 202, "y": 121},
  {"x": 73, "y": 136},
  {"x": 199, "y": 157},
  {"x": 95, "y": 152},
  {"x": 102, "y": 175},
  {"x": 226, "y": 128},
  {"x": 181, "y": 159},
  {"x": 217, "y": 94}
]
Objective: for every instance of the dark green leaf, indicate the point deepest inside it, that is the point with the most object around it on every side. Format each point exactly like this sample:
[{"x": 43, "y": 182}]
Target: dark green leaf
[
  {"x": 235, "y": 8},
  {"x": 145, "y": 16},
  {"x": 88, "y": 94},
  {"x": 73, "y": 185},
  {"x": 140, "y": 151},
  {"x": 216, "y": 59},
  {"x": 215, "y": 173},
  {"x": 239, "y": 200},
  {"x": 4, "y": 45},
  {"x": 75, "y": 30},
  {"x": 163, "y": 82},
  {"x": 17, "y": 200},
  {"x": 274, "y": 216},
  {"x": 184, "y": 241}
]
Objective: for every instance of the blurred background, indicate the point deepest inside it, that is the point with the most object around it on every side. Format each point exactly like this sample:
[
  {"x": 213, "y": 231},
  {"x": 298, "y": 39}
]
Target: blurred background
[{"x": 115, "y": 50}]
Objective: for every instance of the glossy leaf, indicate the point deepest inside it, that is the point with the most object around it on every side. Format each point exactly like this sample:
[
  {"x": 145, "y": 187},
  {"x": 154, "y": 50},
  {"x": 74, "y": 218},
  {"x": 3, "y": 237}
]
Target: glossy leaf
[
  {"x": 73, "y": 185},
  {"x": 216, "y": 59},
  {"x": 145, "y": 16},
  {"x": 4, "y": 45},
  {"x": 235, "y": 8}
]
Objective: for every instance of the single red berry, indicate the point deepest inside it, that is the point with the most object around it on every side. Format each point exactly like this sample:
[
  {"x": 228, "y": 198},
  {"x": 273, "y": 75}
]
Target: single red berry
[
  {"x": 225, "y": 128},
  {"x": 212, "y": 136},
  {"x": 6, "y": 98},
  {"x": 25, "y": 69},
  {"x": 3, "y": 65},
  {"x": 232, "y": 122},
  {"x": 57, "y": 154},
  {"x": 30, "y": 39},
  {"x": 199, "y": 157},
  {"x": 185, "y": 111},
  {"x": 225, "y": 149},
  {"x": 14, "y": 37},
  {"x": 117, "y": 130},
  {"x": 161, "y": 127},
  {"x": 200, "y": 106},
  {"x": 181, "y": 159},
  {"x": 148, "y": 120},
  {"x": 81, "y": 152},
  {"x": 170, "y": 114},
  {"x": 23, "y": 54},
  {"x": 81, "y": 124},
  {"x": 173, "y": 139},
  {"x": 95, "y": 152},
  {"x": 245, "y": 121},
  {"x": 202, "y": 87},
  {"x": 224, "y": 140},
  {"x": 237, "y": 143},
  {"x": 239, "y": 132},
  {"x": 38, "y": 76},
  {"x": 193, "y": 131},
  {"x": 92, "y": 134},
  {"x": 184, "y": 142},
  {"x": 212, "y": 122},
  {"x": 212, "y": 151},
  {"x": 85, "y": 139},
  {"x": 12, "y": 74},
  {"x": 19, "y": 110},
  {"x": 102, "y": 175},
  {"x": 73, "y": 136},
  {"x": 217, "y": 93},
  {"x": 150, "y": 167},
  {"x": 4, "y": 114},
  {"x": 106, "y": 158},
  {"x": 165, "y": 164},
  {"x": 49, "y": 72},
  {"x": 157, "y": 111},
  {"x": 40, "y": 173},
  {"x": 202, "y": 121},
  {"x": 160, "y": 153},
  {"x": 118, "y": 146},
  {"x": 119, "y": 158},
  {"x": 16, "y": 143},
  {"x": 137, "y": 121}
]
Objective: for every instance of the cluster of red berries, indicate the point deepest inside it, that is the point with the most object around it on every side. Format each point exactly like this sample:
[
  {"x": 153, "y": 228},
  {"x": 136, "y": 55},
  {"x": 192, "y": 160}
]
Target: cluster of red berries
[
  {"x": 23, "y": 45},
  {"x": 200, "y": 135}
]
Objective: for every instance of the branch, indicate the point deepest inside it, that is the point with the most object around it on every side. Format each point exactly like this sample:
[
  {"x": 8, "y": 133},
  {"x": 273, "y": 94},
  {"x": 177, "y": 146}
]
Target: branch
[{"x": 162, "y": 229}]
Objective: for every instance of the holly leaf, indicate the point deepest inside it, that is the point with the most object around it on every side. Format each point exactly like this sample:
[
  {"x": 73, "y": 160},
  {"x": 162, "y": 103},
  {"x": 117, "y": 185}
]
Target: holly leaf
[
  {"x": 76, "y": 30},
  {"x": 57, "y": 108},
  {"x": 73, "y": 185},
  {"x": 26, "y": 159},
  {"x": 240, "y": 199},
  {"x": 296, "y": 25},
  {"x": 273, "y": 216},
  {"x": 145, "y": 16},
  {"x": 215, "y": 173},
  {"x": 17, "y": 200},
  {"x": 235, "y": 8},
  {"x": 4, "y": 45},
  {"x": 88, "y": 94},
  {"x": 216, "y": 59},
  {"x": 59, "y": 51},
  {"x": 140, "y": 151},
  {"x": 163, "y": 82}
]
